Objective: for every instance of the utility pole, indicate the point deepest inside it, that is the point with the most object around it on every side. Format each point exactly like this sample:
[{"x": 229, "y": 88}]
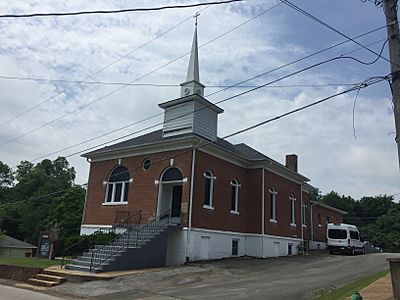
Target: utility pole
[{"x": 390, "y": 10}]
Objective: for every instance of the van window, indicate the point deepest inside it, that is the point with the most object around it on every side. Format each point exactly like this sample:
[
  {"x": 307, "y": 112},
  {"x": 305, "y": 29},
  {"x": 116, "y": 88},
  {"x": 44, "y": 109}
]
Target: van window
[
  {"x": 337, "y": 234},
  {"x": 354, "y": 235}
]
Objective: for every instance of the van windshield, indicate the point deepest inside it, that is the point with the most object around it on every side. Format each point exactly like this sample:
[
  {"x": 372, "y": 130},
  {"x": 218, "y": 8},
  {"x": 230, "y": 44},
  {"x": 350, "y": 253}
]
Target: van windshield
[{"x": 337, "y": 234}]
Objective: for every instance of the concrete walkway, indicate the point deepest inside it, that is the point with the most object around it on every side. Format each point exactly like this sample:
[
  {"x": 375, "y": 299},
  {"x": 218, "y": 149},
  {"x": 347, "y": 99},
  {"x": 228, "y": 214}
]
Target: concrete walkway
[{"x": 378, "y": 290}]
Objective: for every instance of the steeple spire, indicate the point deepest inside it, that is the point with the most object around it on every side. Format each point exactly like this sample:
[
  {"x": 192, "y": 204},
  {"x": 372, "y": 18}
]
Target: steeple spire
[{"x": 192, "y": 84}]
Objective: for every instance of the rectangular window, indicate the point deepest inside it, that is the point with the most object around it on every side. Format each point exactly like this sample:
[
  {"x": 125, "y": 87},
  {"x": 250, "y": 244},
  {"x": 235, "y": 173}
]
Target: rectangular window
[
  {"x": 293, "y": 211},
  {"x": 303, "y": 214},
  {"x": 207, "y": 195},
  {"x": 118, "y": 192},
  {"x": 354, "y": 235},
  {"x": 235, "y": 247},
  {"x": 126, "y": 186},
  {"x": 339, "y": 234},
  {"x": 273, "y": 206},
  {"x": 109, "y": 192},
  {"x": 233, "y": 198}
]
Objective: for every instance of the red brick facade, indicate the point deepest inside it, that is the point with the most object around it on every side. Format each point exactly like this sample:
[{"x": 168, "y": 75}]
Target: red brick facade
[
  {"x": 143, "y": 195},
  {"x": 325, "y": 216}
]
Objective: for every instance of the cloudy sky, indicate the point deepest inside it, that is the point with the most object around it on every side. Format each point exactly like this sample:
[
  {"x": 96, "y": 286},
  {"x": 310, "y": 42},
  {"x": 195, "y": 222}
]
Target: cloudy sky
[{"x": 241, "y": 40}]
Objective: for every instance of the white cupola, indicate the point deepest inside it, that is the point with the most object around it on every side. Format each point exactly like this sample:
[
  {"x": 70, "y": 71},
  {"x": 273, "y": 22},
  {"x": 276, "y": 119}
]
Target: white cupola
[{"x": 191, "y": 113}]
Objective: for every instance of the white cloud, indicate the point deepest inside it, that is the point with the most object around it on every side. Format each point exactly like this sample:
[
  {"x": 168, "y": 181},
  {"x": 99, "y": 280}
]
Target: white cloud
[{"x": 73, "y": 47}]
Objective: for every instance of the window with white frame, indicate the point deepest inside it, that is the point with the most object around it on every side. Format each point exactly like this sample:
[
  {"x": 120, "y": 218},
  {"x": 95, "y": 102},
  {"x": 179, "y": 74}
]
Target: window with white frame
[
  {"x": 209, "y": 189},
  {"x": 292, "y": 199},
  {"x": 117, "y": 186},
  {"x": 272, "y": 195},
  {"x": 235, "y": 196},
  {"x": 303, "y": 213}
]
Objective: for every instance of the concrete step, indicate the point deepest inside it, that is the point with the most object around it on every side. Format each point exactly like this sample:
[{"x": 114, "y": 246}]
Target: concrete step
[
  {"x": 81, "y": 268},
  {"x": 41, "y": 282},
  {"x": 53, "y": 278}
]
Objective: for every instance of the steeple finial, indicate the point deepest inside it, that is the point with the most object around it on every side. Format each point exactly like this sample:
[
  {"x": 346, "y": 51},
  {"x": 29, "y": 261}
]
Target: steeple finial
[{"x": 192, "y": 84}]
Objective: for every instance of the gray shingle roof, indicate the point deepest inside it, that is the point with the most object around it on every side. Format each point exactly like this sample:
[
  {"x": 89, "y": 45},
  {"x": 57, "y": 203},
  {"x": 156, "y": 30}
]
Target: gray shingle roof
[
  {"x": 10, "y": 242},
  {"x": 241, "y": 150}
]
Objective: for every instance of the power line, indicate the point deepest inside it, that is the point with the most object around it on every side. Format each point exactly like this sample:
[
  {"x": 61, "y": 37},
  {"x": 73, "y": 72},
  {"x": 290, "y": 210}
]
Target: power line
[
  {"x": 99, "y": 70},
  {"x": 18, "y": 78},
  {"x": 135, "y": 80},
  {"x": 364, "y": 84},
  {"x": 117, "y": 11},
  {"x": 151, "y": 117},
  {"x": 180, "y": 116},
  {"x": 312, "y": 17}
]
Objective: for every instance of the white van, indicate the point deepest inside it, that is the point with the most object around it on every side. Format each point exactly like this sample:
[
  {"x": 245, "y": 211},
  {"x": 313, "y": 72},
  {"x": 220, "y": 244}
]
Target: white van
[{"x": 344, "y": 238}]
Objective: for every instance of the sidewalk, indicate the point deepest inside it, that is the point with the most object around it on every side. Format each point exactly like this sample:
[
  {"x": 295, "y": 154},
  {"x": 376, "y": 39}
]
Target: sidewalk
[{"x": 379, "y": 290}]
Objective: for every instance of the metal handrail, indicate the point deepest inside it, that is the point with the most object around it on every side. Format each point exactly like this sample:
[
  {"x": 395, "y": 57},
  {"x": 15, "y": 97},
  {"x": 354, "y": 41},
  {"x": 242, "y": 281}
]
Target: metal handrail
[
  {"x": 86, "y": 237},
  {"x": 104, "y": 253},
  {"x": 130, "y": 220}
]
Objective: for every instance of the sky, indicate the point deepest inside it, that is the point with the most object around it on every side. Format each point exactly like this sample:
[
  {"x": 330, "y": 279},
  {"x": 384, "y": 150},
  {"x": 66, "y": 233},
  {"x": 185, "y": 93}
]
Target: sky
[{"x": 236, "y": 42}]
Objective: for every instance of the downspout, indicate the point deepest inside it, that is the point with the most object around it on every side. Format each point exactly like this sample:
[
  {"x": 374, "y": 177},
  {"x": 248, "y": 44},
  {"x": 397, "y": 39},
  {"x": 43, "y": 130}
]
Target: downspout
[
  {"x": 262, "y": 213},
  {"x": 312, "y": 223},
  {"x": 190, "y": 201},
  {"x": 302, "y": 221}
]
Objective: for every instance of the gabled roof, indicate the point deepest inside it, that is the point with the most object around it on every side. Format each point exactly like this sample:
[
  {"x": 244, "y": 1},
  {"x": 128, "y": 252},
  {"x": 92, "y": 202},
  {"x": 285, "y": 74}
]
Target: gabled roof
[
  {"x": 153, "y": 138},
  {"x": 10, "y": 242},
  {"x": 330, "y": 207},
  {"x": 241, "y": 150}
]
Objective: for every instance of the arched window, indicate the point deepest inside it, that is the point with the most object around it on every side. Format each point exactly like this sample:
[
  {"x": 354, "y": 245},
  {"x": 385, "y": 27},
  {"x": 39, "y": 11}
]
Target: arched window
[
  {"x": 172, "y": 174},
  {"x": 292, "y": 199},
  {"x": 273, "y": 193},
  {"x": 235, "y": 196},
  {"x": 117, "y": 186},
  {"x": 209, "y": 189}
]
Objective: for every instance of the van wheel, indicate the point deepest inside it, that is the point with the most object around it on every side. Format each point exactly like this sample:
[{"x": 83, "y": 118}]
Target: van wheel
[{"x": 353, "y": 251}]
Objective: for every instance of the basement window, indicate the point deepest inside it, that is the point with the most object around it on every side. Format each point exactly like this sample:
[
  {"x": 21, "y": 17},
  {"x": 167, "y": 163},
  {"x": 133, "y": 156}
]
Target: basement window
[{"x": 235, "y": 247}]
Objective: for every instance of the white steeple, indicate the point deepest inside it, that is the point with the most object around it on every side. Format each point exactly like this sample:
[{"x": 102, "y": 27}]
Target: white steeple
[{"x": 192, "y": 84}]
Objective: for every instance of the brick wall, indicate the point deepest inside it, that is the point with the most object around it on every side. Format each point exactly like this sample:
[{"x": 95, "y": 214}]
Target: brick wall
[
  {"x": 220, "y": 218},
  {"x": 320, "y": 229},
  {"x": 142, "y": 193},
  {"x": 18, "y": 273}
]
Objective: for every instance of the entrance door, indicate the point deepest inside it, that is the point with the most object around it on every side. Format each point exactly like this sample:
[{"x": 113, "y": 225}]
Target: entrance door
[{"x": 176, "y": 201}]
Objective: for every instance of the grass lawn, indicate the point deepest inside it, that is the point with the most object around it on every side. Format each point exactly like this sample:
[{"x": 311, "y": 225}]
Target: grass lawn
[
  {"x": 346, "y": 291},
  {"x": 28, "y": 262}
]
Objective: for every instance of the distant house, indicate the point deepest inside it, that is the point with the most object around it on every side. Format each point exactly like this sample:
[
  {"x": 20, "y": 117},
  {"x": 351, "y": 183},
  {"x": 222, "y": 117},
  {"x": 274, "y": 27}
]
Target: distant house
[
  {"x": 12, "y": 247},
  {"x": 200, "y": 197}
]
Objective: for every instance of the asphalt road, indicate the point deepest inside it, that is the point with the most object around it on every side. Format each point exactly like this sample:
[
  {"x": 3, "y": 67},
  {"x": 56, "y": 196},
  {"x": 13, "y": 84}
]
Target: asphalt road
[
  {"x": 13, "y": 293},
  {"x": 298, "y": 277}
]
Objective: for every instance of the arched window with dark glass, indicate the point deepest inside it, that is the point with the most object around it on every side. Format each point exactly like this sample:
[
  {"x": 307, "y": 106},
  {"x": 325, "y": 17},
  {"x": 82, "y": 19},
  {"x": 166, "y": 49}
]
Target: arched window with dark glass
[
  {"x": 118, "y": 186},
  {"x": 292, "y": 199},
  {"x": 272, "y": 194},
  {"x": 235, "y": 196},
  {"x": 209, "y": 189},
  {"x": 172, "y": 174}
]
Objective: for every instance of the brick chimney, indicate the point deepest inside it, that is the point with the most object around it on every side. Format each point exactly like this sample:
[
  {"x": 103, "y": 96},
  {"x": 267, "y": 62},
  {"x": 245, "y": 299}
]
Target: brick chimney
[{"x": 291, "y": 162}]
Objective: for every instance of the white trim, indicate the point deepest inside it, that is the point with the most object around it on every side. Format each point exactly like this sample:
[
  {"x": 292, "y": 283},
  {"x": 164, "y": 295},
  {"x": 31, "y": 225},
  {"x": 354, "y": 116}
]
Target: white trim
[
  {"x": 208, "y": 207},
  {"x": 262, "y": 210},
  {"x": 293, "y": 225},
  {"x": 114, "y": 203},
  {"x": 319, "y": 225},
  {"x": 235, "y": 183},
  {"x": 190, "y": 201},
  {"x": 273, "y": 221},
  {"x": 235, "y": 212}
]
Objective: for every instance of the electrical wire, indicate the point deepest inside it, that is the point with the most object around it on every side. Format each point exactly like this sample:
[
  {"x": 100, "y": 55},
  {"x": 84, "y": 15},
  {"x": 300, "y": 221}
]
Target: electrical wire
[
  {"x": 99, "y": 70},
  {"x": 116, "y": 11},
  {"x": 140, "y": 121},
  {"x": 364, "y": 84},
  {"x": 312, "y": 17},
  {"x": 135, "y": 80}
]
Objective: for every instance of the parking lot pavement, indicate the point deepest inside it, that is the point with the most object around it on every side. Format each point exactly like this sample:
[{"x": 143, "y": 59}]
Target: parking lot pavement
[{"x": 241, "y": 278}]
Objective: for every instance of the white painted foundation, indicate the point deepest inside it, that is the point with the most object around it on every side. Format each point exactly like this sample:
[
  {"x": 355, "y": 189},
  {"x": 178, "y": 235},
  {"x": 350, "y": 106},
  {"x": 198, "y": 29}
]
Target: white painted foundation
[{"x": 315, "y": 245}]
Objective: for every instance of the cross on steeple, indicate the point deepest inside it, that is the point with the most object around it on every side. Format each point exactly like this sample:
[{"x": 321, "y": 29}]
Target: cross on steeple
[{"x": 195, "y": 17}]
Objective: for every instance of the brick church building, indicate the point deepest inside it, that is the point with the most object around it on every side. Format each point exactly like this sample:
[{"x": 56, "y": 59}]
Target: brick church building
[{"x": 225, "y": 199}]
